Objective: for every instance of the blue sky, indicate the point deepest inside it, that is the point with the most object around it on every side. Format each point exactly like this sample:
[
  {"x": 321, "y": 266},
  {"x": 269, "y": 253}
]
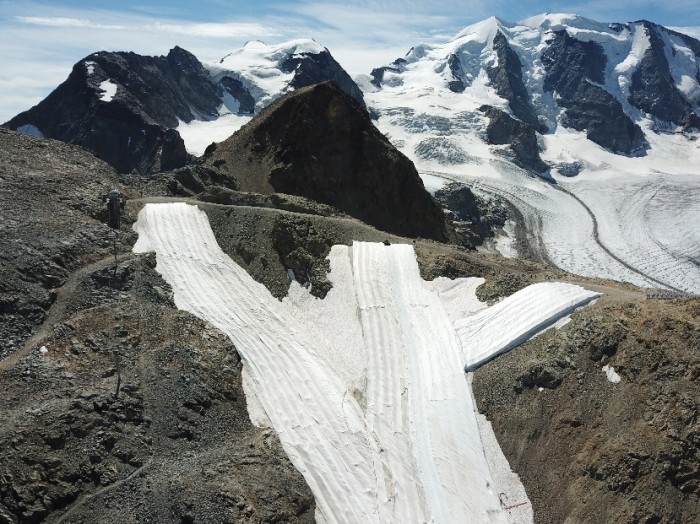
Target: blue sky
[{"x": 41, "y": 40}]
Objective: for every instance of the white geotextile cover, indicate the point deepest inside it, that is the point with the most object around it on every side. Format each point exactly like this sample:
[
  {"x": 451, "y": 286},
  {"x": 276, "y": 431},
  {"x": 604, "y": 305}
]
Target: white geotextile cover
[{"x": 366, "y": 389}]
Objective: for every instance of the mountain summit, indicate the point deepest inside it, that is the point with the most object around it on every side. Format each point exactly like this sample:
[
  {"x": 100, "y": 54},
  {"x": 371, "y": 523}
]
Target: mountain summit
[
  {"x": 319, "y": 143},
  {"x": 129, "y": 109}
]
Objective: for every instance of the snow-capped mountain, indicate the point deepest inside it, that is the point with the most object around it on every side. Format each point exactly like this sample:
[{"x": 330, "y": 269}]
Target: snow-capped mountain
[
  {"x": 561, "y": 95},
  {"x": 616, "y": 82},
  {"x": 257, "y": 74},
  {"x": 607, "y": 111},
  {"x": 130, "y": 109}
]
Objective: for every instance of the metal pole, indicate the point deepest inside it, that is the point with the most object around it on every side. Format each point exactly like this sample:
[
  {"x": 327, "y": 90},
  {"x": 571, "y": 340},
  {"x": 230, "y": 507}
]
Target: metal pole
[{"x": 117, "y": 361}]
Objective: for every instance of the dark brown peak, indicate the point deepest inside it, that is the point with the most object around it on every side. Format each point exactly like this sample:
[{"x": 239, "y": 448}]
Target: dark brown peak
[
  {"x": 179, "y": 55},
  {"x": 319, "y": 143},
  {"x": 130, "y": 129},
  {"x": 179, "y": 50}
]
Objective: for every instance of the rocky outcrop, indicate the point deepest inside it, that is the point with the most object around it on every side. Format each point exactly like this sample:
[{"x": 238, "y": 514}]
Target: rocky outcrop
[
  {"x": 456, "y": 84},
  {"x": 507, "y": 79},
  {"x": 121, "y": 106},
  {"x": 653, "y": 89},
  {"x": 52, "y": 224},
  {"x": 503, "y": 129},
  {"x": 472, "y": 217},
  {"x": 319, "y": 143},
  {"x": 234, "y": 87},
  {"x": 125, "y": 405},
  {"x": 600, "y": 418},
  {"x": 377, "y": 73},
  {"x": 574, "y": 70}
]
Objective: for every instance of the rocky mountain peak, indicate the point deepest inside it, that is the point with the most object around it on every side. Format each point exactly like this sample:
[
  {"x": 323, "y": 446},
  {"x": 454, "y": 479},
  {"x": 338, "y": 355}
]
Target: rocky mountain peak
[
  {"x": 653, "y": 88},
  {"x": 285, "y": 66},
  {"x": 126, "y": 107},
  {"x": 319, "y": 143},
  {"x": 613, "y": 82},
  {"x": 507, "y": 78},
  {"x": 122, "y": 106}
]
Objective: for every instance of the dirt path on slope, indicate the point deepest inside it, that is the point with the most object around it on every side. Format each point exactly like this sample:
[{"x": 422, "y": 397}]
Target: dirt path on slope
[{"x": 57, "y": 312}]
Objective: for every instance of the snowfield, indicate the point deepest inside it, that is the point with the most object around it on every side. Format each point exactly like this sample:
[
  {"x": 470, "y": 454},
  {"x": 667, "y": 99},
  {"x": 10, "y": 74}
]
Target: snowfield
[
  {"x": 632, "y": 219},
  {"x": 366, "y": 388}
]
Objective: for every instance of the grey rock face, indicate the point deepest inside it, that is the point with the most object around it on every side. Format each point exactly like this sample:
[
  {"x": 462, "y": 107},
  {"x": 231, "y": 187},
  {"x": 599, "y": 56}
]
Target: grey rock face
[
  {"x": 237, "y": 90},
  {"x": 473, "y": 218},
  {"x": 457, "y": 84},
  {"x": 130, "y": 131},
  {"x": 653, "y": 89},
  {"x": 504, "y": 129},
  {"x": 507, "y": 80},
  {"x": 573, "y": 69}
]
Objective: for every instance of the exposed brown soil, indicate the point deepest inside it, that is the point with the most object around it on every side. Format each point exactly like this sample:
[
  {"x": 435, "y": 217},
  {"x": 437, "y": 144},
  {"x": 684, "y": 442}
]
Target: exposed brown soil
[
  {"x": 133, "y": 411},
  {"x": 589, "y": 450}
]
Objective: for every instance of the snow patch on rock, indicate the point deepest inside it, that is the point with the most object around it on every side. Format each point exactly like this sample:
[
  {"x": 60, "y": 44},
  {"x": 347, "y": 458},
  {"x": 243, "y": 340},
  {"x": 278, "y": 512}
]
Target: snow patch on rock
[
  {"x": 109, "y": 90},
  {"x": 610, "y": 374}
]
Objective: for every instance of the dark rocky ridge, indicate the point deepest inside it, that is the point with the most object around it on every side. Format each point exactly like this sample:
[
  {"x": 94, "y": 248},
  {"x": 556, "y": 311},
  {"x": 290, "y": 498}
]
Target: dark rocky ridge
[
  {"x": 319, "y": 143},
  {"x": 377, "y": 73},
  {"x": 457, "y": 83},
  {"x": 310, "y": 69},
  {"x": 573, "y": 69},
  {"x": 237, "y": 90},
  {"x": 131, "y": 131},
  {"x": 507, "y": 80},
  {"x": 653, "y": 89},
  {"x": 503, "y": 129}
]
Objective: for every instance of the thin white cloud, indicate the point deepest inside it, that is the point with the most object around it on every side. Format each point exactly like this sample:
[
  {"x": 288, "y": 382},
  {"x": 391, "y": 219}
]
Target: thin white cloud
[
  {"x": 690, "y": 31},
  {"x": 209, "y": 30},
  {"x": 66, "y": 22},
  {"x": 216, "y": 30}
]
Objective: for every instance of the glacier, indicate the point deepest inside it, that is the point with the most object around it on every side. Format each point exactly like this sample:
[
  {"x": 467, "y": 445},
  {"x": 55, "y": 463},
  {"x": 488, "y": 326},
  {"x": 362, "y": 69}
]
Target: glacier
[{"x": 366, "y": 388}]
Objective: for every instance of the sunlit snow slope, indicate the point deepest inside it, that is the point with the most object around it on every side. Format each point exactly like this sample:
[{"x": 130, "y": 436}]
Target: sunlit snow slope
[
  {"x": 646, "y": 208},
  {"x": 366, "y": 389}
]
